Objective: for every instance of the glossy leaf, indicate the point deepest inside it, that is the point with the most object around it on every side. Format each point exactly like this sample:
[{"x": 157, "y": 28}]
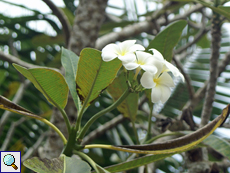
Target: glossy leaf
[
  {"x": 94, "y": 73},
  {"x": 129, "y": 106},
  {"x": 49, "y": 82},
  {"x": 69, "y": 61},
  {"x": 167, "y": 39}
]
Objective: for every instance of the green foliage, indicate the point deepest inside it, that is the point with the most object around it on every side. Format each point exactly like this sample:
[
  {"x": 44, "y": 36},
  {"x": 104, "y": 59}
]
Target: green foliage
[
  {"x": 62, "y": 164},
  {"x": 129, "y": 106},
  {"x": 93, "y": 74},
  {"x": 69, "y": 61},
  {"x": 49, "y": 82},
  {"x": 167, "y": 39}
]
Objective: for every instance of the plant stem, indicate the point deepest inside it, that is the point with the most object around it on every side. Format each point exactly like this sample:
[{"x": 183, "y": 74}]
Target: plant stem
[
  {"x": 135, "y": 132},
  {"x": 54, "y": 128},
  {"x": 66, "y": 119},
  {"x": 99, "y": 114},
  {"x": 88, "y": 159},
  {"x": 78, "y": 123},
  {"x": 68, "y": 150},
  {"x": 137, "y": 72},
  {"x": 149, "y": 123}
]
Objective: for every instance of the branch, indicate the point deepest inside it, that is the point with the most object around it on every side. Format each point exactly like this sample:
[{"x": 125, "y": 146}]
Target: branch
[
  {"x": 203, "y": 31},
  {"x": 16, "y": 99},
  {"x": 102, "y": 129},
  {"x": 211, "y": 90},
  {"x": 12, "y": 59},
  {"x": 32, "y": 149},
  {"x": 143, "y": 26},
  {"x": 186, "y": 77},
  {"x": 62, "y": 18},
  {"x": 10, "y": 133}
]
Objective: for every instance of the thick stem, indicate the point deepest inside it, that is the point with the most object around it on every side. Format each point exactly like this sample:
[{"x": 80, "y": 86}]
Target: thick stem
[{"x": 210, "y": 93}]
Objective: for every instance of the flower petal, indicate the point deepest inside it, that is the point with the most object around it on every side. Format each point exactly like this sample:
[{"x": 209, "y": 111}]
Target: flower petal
[
  {"x": 149, "y": 68},
  {"x": 166, "y": 92},
  {"x": 174, "y": 70},
  {"x": 157, "y": 54},
  {"x": 111, "y": 48},
  {"x": 130, "y": 57},
  {"x": 136, "y": 47},
  {"x": 108, "y": 56},
  {"x": 147, "y": 80},
  {"x": 126, "y": 45},
  {"x": 130, "y": 65},
  {"x": 160, "y": 93},
  {"x": 156, "y": 94},
  {"x": 166, "y": 79},
  {"x": 142, "y": 57}
]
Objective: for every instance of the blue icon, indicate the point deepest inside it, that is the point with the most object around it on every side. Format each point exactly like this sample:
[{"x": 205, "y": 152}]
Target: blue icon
[{"x": 9, "y": 160}]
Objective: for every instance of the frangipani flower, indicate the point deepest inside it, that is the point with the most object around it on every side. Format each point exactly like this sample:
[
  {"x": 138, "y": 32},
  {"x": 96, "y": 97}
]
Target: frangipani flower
[
  {"x": 124, "y": 51},
  {"x": 167, "y": 65},
  {"x": 160, "y": 85},
  {"x": 145, "y": 61}
]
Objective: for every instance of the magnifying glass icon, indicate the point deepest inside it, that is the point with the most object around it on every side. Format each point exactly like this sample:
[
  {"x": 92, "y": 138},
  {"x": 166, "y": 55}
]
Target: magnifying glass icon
[{"x": 9, "y": 160}]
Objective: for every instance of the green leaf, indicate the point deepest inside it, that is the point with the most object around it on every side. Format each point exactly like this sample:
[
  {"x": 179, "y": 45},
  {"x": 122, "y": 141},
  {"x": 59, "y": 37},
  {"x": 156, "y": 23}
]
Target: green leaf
[
  {"x": 74, "y": 165},
  {"x": 219, "y": 144},
  {"x": 49, "y": 82},
  {"x": 69, "y": 61},
  {"x": 2, "y": 76},
  {"x": 45, "y": 165},
  {"x": 204, "y": 42},
  {"x": 167, "y": 39},
  {"x": 62, "y": 164},
  {"x": 137, "y": 162},
  {"x": 94, "y": 73},
  {"x": 129, "y": 106},
  {"x": 225, "y": 8}
]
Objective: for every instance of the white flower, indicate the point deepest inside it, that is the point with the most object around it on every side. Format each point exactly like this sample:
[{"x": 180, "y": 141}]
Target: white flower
[
  {"x": 167, "y": 65},
  {"x": 160, "y": 85},
  {"x": 123, "y": 51},
  {"x": 145, "y": 61}
]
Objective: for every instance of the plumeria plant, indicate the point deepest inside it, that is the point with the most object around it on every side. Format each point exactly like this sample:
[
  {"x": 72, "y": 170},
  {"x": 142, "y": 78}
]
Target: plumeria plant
[{"x": 125, "y": 69}]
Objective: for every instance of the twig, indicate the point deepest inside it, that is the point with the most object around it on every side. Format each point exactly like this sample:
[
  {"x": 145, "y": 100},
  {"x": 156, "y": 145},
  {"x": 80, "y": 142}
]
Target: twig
[
  {"x": 10, "y": 133},
  {"x": 102, "y": 129},
  {"x": 32, "y": 149},
  {"x": 12, "y": 59},
  {"x": 16, "y": 99},
  {"x": 186, "y": 77},
  {"x": 210, "y": 93},
  {"x": 62, "y": 18},
  {"x": 137, "y": 28},
  {"x": 197, "y": 37}
]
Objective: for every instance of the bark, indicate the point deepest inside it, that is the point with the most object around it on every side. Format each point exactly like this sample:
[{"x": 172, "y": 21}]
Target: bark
[{"x": 89, "y": 17}]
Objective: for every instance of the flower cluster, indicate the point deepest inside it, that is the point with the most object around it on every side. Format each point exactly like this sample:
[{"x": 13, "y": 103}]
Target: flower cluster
[{"x": 156, "y": 68}]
